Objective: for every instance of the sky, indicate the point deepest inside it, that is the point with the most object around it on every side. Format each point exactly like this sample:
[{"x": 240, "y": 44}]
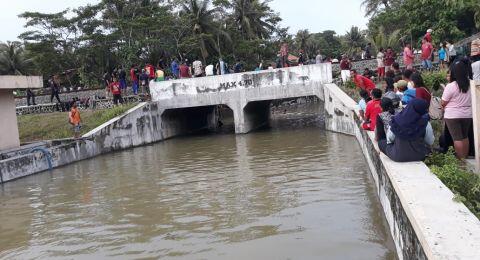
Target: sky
[{"x": 314, "y": 15}]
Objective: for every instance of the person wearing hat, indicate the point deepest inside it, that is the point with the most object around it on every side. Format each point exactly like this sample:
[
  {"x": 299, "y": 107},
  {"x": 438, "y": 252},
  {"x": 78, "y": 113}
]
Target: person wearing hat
[
  {"x": 404, "y": 92},
  {"x": 475, "y": 56},
  {"x": 428, "y": 36}
]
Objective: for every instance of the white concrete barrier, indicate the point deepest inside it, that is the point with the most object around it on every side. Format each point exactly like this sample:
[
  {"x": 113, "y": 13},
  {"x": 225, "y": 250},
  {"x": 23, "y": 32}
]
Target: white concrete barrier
[{"x": 233, "y": 82}]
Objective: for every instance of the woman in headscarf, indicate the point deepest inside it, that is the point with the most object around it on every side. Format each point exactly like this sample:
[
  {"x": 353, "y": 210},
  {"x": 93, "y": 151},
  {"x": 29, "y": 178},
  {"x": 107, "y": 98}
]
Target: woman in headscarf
[
  {"x": 456, "y": 100},
  {"x": 410, "y": 134}
]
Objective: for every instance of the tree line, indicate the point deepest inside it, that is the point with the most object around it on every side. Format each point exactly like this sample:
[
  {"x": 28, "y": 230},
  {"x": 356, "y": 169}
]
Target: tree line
[{"x": 89, "y": 40}]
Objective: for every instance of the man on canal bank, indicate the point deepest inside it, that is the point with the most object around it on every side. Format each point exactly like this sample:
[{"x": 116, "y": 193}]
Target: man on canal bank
[{"x": 75, "y": 120}]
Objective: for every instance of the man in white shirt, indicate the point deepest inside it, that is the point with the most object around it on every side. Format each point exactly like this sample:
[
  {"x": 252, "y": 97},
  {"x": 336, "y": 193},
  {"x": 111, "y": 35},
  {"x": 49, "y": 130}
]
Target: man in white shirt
[
  {"x": 197, "y": 68},
  {"x": 209, "y": 70},
  {"x": 319, "y": 58},
  {"x": 380, "y": 64}
]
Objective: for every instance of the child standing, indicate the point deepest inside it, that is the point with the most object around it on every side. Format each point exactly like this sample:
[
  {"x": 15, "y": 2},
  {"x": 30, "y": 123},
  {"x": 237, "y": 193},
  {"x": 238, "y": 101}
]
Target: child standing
[{"x": 75, "y": 120}]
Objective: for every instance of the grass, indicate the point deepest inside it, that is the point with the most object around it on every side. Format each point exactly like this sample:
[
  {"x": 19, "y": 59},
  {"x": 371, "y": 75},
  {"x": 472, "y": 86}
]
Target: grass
[
  {"x": 463, "y": 183},
  {"x": 39, "y": 127}
]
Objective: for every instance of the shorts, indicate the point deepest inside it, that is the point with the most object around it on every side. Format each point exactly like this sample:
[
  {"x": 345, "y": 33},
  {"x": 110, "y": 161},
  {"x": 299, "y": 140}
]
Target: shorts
[
  {"x": 459, "y": 128},
  {"x": 77, "y": 128},
  {"x": 381, "y": 71},
  {"x": 117, "y": 98}
]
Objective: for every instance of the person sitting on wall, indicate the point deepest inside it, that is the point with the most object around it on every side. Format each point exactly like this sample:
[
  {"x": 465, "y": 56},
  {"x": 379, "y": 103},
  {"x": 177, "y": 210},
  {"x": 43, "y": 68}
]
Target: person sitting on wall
[
  {"x": 362, "y": 104},
  {"x": 373, "y": 109},
  {"x": 390, "y": 109},
  {"x": 362, "y": 81},
  {"x": 410, "y": 134}
]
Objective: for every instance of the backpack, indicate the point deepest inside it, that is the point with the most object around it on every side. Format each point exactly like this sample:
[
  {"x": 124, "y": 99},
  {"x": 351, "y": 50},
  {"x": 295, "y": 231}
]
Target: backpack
[{"x": 436, "y": 109}]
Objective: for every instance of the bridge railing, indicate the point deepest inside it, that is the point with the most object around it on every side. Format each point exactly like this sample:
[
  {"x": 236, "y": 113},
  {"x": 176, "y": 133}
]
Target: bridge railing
[{"x": 238, "y": 81}]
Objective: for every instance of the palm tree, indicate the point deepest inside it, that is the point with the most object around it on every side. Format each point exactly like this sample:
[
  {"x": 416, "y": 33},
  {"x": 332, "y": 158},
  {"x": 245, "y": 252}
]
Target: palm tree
[
  {"x": 354, "y": 40},
  {"x": 14, "y": 60},
  {"x": 202, "y": 22},
  {"x": 384, "y": 40},
  {"x": 302, "y": 38},
  {"x": 255, "y": 19}
]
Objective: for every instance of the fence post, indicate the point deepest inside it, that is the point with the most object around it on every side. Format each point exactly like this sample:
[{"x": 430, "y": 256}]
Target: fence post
[{"x": 475, "y": 90}]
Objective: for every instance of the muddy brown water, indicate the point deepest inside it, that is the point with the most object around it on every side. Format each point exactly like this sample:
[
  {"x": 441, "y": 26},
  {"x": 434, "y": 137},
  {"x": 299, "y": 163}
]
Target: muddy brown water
[{"x": 291, "y": 192}]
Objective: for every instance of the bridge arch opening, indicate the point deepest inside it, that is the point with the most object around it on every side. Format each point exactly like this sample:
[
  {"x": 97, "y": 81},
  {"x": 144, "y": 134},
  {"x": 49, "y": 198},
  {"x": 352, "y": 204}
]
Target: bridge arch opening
[
  {"x": 192, "y": 120},
  {"x": 267, "y": 113}
]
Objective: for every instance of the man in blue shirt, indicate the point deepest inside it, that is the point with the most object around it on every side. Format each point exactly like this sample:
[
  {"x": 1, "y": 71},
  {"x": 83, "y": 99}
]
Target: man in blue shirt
[{"x": 175, "y": 69}]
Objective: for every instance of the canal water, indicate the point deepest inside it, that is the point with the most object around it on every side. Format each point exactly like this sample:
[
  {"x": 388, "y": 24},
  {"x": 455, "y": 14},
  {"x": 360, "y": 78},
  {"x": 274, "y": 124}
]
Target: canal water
[{"x": 293, "y": 191}]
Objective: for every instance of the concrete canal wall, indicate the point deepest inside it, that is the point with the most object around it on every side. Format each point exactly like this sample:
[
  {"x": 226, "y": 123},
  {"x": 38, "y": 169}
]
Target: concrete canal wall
[
  {"x": 424, "y": 220},
  {"x": 422, "y": 216}
]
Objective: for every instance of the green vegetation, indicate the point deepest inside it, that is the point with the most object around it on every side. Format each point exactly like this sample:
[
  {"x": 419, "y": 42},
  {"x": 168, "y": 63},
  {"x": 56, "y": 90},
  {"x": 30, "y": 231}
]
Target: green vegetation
[
  {"x": 39, "y": 127},
  {"x": 433, "y": 80},
  {"x": 465, "y": 184}
]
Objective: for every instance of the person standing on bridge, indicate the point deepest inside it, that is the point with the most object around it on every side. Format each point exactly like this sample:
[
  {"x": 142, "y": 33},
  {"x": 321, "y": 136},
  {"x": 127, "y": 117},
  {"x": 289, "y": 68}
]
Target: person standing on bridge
[
  {"x": 319, "y": 58},
  {"x": 175, "y": 69},
  {"x": 159, "y": 74},
  {"x": 284, "y": 55},
  {"x": 197, "y": 68},
  {"x": 184, "y": 71}
]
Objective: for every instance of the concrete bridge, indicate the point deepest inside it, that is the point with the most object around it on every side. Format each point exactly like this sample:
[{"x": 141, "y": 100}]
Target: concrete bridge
[{"x": 190, "y": 103}]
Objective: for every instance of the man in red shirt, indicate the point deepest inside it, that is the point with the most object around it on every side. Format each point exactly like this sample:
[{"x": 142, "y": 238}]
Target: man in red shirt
[
  {"x": 116, "y": 92},
  {"x": 427, "y": 51},
  {"x": 184, "y": 71},
  {"x": 389, "y": 59},
  {"x": 134, "y": 79},
  {"x": 362, "y": 81},
  {"x": 150, "y": 71},
  {"x": 373, "y": 109}
]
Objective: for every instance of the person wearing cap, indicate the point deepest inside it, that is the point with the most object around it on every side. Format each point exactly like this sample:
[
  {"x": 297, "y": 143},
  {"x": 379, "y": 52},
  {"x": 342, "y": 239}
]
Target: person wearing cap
[
  {"x": 428, "y": 36},
  {"x": 475, "y": 56},
  {"x": 405, "y": 93}
]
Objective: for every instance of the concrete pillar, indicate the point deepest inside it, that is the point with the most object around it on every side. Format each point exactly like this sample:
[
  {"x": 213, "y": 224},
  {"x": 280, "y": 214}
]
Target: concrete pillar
[
  {"x": 9, "y": 137},
  {"x": 475, "y": 90},
  {"x": 253, "y": 116}
]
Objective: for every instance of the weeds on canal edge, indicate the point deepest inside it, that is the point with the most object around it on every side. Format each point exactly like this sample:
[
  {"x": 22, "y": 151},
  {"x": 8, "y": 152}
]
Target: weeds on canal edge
[{"x": 463, "y": 183}]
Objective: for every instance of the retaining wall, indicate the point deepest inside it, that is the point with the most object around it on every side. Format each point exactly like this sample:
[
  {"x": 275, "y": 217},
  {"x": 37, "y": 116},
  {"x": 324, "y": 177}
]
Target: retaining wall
[{"x": 424, "y": 220}]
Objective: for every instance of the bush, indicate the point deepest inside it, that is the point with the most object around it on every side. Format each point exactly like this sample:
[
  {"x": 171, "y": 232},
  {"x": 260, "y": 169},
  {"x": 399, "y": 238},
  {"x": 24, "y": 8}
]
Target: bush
[
  {"x": 464, "y": 184},
  {"x": 433, "y": 80}
]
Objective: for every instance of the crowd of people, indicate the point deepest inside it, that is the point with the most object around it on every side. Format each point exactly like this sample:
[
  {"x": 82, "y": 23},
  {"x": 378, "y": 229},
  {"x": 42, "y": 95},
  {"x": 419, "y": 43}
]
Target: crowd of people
[{"x": 401, "y": 110}]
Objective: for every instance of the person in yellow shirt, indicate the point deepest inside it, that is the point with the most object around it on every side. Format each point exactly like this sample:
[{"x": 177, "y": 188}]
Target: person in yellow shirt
[
  {"x": 159, "y": 74},
  {"x": 75, "y": 120}
]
